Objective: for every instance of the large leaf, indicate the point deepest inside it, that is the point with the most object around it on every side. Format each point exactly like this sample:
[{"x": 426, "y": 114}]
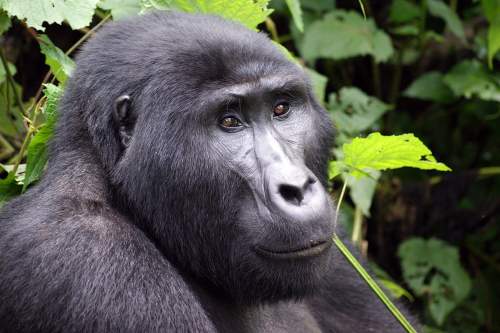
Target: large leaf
[
  {"x": 78, "y": 13},
  {"x": 430, "y": 86},
  {"x": 37, "y": 149},
  {"x": 60, "y": 64},
  {"x": 342, "y": 34},
  {"x": 440, "y": 9},
  {"x": 353, "y": 111},
  {"x": 248, "y": 12},
  {"x": 471, "y": 79},
  {"x": 381, "y": 152},
  {"x": 121, "y": 8},
  {"x": 432, "y": 267}
]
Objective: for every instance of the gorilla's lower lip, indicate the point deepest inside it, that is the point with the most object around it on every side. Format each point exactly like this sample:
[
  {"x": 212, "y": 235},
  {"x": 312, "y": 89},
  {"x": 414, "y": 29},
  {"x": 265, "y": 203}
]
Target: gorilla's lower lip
[{"x": 304, "y": 252}]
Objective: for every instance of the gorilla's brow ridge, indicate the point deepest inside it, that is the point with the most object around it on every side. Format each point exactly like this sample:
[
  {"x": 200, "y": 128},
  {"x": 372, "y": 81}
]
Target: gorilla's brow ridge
[{"x": 271, "y": 83}]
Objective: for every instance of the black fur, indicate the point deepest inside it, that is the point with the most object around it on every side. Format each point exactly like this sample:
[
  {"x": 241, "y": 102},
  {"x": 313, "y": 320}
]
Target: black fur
[{"x": 148, "y": 217}]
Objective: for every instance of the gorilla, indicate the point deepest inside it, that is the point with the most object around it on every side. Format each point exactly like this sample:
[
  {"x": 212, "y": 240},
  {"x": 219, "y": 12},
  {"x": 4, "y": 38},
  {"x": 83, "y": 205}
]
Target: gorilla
[{"x": 185, "y": 192}]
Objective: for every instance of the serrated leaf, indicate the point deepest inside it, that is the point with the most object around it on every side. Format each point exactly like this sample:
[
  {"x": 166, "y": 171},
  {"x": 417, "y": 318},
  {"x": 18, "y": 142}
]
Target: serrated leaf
[
  {"x": 296, "y": 11},
  {"x": 471, "y": 79},
  {"x": 433, "y": 267},
  {"x": 37, "y": 149},
  {"x": 440, "y": 9},
  {"x": 121, "y": 8},
  {"x": 78, "y": 13},
  {"x": 60, "y": 64},
  {"x": 381, "y": 152},
  {"x": 342, "y": 34},
  {"x": 430, "y": 87},
  {"x": 404, "y": 11},
  {"x": 353, "y": 111},
  {"x": 248, "y": 12}
]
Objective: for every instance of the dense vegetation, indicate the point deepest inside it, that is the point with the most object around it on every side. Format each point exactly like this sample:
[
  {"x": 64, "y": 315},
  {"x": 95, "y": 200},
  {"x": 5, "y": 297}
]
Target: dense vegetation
[{"x": 427, "y": 67}]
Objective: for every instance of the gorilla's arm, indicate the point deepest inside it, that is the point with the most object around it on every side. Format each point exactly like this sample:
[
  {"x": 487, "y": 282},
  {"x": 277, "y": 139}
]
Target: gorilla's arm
[
  {"x": 90, "y": 272},
  {"x": 345, "y": 303}
]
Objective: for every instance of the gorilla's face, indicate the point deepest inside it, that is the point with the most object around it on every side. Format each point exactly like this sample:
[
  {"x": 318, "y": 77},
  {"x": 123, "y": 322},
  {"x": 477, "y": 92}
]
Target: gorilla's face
[{"x": 226, "y": 169}]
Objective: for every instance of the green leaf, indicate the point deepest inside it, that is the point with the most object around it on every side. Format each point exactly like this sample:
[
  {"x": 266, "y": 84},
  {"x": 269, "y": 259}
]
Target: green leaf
[
  {"x": 37, "y": 149},
  {"x": 353, "y": 111},
  {"x": 294, "y": 6},
  {"x": 318, "y": 82},
  {"x": 403, "y": 11},
  {"x": 432, "y": 267},
  {"x": 381, "y": 152},
  {"x": 4, "y": 21},
  {"x": 11, "y": 123},
  {"x": 3, "y": 72},
  {"x": 406, "y": 30},
  {"x": 78, "y": 13},
  {"x": 491, "y": 9},
  {"x": 8, "y": 189},
  {"x": 121, "y": 8},
  {"x": 248, "y": 12},
  {"x": 363, "y": 189},
  {"x": 440, "y": 9},
  {"x": 60, "y": 64},
  {"x": 431, "y": 87},
  {"x": 471, "y": 79},
  {"x": 342, "y": 34}
]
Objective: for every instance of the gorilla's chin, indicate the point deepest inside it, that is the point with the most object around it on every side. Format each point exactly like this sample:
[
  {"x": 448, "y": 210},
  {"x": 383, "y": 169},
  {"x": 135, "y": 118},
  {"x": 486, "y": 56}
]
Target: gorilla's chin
[{"x": 276, "y": 277}]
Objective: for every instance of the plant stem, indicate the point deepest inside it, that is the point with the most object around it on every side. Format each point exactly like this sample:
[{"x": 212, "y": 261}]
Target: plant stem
[
  {"x": 87, "y": 35},
  {"x": 357, "y": 229},
  {"x": 341, "y": 197},
  {"x": 31, "y": 130},
  {"x": 272, "y": 29},
  {"x": 373, "y": 285},
  {"x": 376, "y": 79},
  {"x": 10, "y": 79}
]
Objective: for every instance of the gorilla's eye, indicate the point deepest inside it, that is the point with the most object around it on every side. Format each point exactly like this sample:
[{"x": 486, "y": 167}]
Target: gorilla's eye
[
  {"x": 230, "y": 122},
  {"x": 281, "y": 109}
]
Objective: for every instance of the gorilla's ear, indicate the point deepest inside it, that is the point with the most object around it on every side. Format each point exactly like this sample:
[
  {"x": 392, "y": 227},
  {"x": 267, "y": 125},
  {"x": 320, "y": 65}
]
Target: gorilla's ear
[{"x": 124, "y": 119}]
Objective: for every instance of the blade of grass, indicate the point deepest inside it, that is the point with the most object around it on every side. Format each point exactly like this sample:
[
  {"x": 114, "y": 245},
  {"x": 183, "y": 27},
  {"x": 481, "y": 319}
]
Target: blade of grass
[{"x": 373, "y": 285}]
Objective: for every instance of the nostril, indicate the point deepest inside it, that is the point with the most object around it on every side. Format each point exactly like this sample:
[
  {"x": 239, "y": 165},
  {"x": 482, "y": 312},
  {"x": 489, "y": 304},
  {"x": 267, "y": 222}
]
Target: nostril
[{"x": 291, "y": 194}]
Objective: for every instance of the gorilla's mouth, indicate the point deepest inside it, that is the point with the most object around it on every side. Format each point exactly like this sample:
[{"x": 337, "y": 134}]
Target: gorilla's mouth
[{"x": 312, "y": 249}]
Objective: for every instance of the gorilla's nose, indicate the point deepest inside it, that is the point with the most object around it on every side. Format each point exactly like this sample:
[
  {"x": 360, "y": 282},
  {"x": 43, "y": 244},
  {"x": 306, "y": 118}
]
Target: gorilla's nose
[{"x": 295, "y": 192}]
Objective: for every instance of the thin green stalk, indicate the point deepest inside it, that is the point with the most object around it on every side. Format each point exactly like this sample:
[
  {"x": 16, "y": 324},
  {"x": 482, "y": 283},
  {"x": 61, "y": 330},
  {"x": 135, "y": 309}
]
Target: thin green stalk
[
  {"x": 357, "y": 228},
  {"x": 341, "y": 197},
  {"x": 272, "y": 29},
  {"x": 376, "y": 79},
  {"x": 87, "y": 34},
  {"x": 362, "y": 8},
  {"x": 373, "y": 285}
]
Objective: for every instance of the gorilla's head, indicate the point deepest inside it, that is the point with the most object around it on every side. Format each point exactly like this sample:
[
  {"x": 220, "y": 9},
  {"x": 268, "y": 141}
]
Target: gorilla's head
[{"x": 214, "y": 145}]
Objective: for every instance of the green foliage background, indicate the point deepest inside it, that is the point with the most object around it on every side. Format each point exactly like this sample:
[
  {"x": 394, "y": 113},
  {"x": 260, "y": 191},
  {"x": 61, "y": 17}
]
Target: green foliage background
[{"x": 427, "y": 67}]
